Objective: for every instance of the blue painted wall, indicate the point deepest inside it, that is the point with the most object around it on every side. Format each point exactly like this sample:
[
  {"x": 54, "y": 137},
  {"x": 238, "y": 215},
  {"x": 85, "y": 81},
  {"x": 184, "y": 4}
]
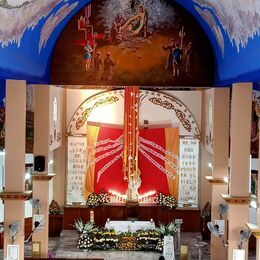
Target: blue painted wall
[{"x": 25, "y": 61}]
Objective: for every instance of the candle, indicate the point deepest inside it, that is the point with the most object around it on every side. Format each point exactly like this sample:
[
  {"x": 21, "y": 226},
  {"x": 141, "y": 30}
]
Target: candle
[
  {"x": 91, "y": 216},
  {"x": 108, "y": 219},
  {"x": 151, "y": 220}
]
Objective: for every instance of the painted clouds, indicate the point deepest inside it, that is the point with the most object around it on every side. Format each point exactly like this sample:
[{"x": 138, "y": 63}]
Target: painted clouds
[{"x": 240, "y": 19}]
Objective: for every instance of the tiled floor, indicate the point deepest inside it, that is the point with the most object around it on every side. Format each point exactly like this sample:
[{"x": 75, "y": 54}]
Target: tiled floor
[{"x": 65, "y": 247}]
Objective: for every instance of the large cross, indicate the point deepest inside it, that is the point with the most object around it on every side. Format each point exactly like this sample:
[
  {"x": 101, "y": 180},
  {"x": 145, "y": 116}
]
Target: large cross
[{"x": 131, "y": 140}]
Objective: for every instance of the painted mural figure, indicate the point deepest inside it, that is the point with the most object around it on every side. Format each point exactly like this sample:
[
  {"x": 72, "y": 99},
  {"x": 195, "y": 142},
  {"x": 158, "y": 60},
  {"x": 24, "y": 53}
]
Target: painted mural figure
[
  {"x": 98, "y": 64},
  {"x": 176, "y": 53},
  {"x": 113, "y": 33},
  {"x": 136, "y": 25},
  {"x": 88, "y": 56},
  {"x": 188, "y": 54},
  {"x": 144, "y": 14},
  {"x": 108, "y": 67},
  {"x": 170, "y": 47},
  {"x": 119, "y": 20}
]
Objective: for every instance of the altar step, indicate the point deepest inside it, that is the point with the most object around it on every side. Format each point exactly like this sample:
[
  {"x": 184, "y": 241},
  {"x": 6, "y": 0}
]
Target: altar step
[{"x": 68, "y": 249}]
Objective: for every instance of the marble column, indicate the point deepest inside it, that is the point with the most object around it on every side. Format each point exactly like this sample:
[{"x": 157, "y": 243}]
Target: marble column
[
  {"x": 220, "y": 118},
  {"x": 14, "y": 193},
  {"x": 238, "y": 197}
]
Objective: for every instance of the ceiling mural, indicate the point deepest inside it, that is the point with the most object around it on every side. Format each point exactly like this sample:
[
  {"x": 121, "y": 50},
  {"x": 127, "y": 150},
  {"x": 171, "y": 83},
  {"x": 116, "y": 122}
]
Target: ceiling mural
[
  {"x": 240, "y": 19},
  {"x": 133, "y": 43},
  {"x": 19, "y": 15},
  {"x": 53, "y": 21},
  {"x": 29, "y": 30}
]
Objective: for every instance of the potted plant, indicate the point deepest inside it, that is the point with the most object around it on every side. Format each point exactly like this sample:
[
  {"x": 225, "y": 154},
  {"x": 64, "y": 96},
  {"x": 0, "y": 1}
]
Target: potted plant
[
  {"x": 86, "y": 239},
  {"x": 167, "y": 233}
]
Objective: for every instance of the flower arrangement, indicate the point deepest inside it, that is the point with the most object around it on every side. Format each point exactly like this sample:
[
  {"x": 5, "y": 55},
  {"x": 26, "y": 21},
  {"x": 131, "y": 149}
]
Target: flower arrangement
[
  {"x": 85, "y": 242},
  {"x": 105, "y": 239},
  {"x": 127, "y": 242},
  {"x": 168, "y": 230},
  {"x": 87, "y": 228},
  {"x": 167, "y": 201},
  {"x": 103, "y": 197},
  {"x": 147, "y": 240},
  {"x": 159, "y": 245},
  {"x": 54, "y": 208},
  {"x": 92, "y": 237},
  {"x": 94, "y": 200}
]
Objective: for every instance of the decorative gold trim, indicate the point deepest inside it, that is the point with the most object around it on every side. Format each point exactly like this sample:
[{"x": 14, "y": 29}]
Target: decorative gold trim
[
  {"x": 169, "y": 106},
  {"x": 101, "y": 102},
  {"x": 239, "y": 200},
  {"x": 213, "y": 180},
  {"x": 254, "y": 229},
  {"x": 42, "y": 177},
  {"x": 7, "y": 195}
]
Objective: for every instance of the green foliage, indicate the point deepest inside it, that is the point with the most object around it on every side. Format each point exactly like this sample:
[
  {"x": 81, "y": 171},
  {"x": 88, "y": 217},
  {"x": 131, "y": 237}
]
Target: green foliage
[
  {"x": 87, "y": 228},
  {"x": 168, "y": 230}
]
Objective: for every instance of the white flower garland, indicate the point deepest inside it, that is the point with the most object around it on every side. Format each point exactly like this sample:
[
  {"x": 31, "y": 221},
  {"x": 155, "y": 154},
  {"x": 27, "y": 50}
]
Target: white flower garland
[
  {"x": 158, "y": 147},
  {"x": 157, "y": 165},
  {"x": 172, "y": 165},
  {"x": 101, "y": 171}
]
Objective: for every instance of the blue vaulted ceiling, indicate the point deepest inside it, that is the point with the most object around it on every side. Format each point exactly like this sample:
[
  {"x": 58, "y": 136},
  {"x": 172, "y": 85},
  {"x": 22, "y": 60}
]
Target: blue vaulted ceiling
[{"x": 30, "y": 29}]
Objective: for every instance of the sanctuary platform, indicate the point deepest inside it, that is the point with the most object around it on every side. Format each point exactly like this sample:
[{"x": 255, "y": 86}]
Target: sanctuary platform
[
  {"x": 190, "y": 216},
  {"x": 65, "y": 247}
]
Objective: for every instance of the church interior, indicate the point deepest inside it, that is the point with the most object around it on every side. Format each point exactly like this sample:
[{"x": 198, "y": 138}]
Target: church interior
[{"x": 129, "y": 129}]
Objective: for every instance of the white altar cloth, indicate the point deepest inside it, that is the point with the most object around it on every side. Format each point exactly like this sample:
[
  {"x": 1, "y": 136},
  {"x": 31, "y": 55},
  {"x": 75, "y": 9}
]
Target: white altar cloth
[{"x": 132, "y": 226}]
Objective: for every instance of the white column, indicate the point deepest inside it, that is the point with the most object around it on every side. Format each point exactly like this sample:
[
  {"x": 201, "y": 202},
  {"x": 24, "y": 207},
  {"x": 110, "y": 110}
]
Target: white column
[
  {"x": 241, "y": 106},
  {"x": 41, "y": 147},
  {"x": 15, "y": 123},
  {"x": 220, "y": 162}
]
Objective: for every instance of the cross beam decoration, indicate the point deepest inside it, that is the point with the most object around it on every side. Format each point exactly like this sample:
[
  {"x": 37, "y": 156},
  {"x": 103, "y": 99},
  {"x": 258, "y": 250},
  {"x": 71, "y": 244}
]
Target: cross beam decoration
[{"x": 131, "y": 140}]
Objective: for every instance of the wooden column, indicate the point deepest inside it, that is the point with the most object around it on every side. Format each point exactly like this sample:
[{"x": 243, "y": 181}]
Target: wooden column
[
  {"x": 238, "y": 197},
  {"x": 14, "y": 194},
  {"x": 41, "y": 181},
  {"x": 220, "y": 162}
]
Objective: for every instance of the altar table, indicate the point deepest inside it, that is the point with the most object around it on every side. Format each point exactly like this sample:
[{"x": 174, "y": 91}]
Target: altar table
[{"x": 132, "y": 226}]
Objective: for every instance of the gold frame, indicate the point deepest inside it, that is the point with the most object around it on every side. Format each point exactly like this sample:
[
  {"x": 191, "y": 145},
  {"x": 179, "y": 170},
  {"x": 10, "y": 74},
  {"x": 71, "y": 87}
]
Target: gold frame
[{"x": 36, "y": 249}]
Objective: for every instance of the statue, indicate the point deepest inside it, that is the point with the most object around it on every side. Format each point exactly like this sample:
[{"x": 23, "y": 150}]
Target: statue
[{"x": 133, "y": 186}]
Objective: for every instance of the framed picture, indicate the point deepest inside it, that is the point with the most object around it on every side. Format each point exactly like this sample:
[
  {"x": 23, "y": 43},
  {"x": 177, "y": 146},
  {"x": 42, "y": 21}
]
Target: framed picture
[
  {"x": 36, "y": 249},
  {"x": 13, "y": 252}
]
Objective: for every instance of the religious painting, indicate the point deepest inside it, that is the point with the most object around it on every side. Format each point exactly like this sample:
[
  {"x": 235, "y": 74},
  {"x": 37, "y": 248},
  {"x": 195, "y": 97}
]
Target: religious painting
[{"x": 133, "y": 42}]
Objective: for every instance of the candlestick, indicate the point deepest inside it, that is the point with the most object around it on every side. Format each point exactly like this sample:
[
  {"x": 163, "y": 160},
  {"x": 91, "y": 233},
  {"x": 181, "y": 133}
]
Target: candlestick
[{"x": 91, "y": 216}]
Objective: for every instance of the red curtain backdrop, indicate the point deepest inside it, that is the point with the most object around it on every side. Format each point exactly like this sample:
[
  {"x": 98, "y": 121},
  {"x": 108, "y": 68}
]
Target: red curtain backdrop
[
  {"x": 152, "y": 177},
  {"x": 112, "y": 177}
]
